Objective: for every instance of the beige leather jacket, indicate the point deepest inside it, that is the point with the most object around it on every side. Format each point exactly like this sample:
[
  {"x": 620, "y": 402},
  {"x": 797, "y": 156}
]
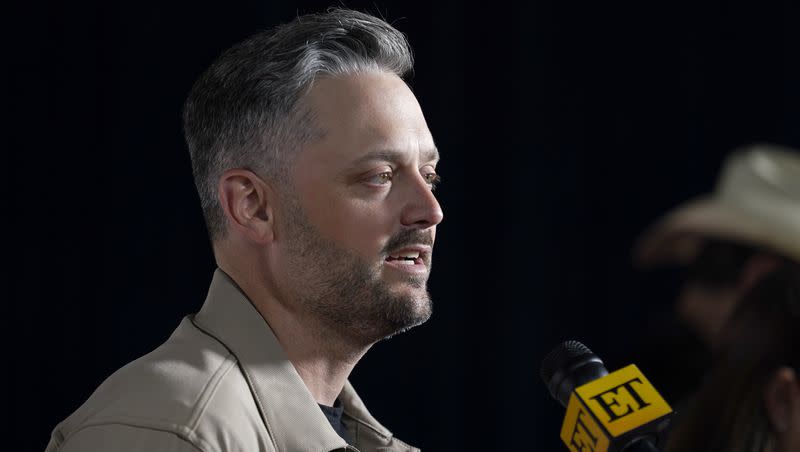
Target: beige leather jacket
[{"x": 220, "y": 383}]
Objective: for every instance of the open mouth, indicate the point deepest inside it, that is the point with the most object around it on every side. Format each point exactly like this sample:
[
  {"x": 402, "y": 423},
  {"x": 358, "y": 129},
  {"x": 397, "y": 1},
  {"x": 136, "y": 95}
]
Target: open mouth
[{"x": 406, "y": 258}]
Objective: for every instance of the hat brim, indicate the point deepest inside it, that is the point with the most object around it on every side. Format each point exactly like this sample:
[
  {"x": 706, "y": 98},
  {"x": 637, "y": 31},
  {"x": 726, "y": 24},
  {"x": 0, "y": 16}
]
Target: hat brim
[{"x": 678, "y": 235}]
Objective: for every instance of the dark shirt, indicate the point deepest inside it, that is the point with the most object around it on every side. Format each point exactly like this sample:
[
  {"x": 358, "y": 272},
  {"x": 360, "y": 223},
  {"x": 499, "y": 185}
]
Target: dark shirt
[{"x": 334, "y": 415}]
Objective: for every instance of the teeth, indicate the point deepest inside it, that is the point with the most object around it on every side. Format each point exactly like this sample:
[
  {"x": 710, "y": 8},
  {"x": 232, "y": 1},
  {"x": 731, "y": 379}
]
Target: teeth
[
  {"x": 405, "y": 262},
  {"x": 407, "y": 254}
]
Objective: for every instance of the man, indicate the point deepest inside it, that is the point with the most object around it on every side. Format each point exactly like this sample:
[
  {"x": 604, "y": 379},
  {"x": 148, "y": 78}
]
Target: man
[
  {"x": 726, "y": 242},
  {"x": 315, "y": 170}
]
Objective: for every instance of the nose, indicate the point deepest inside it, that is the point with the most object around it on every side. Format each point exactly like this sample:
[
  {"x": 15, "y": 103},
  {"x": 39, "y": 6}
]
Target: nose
[{"x": 422, "y": 209}]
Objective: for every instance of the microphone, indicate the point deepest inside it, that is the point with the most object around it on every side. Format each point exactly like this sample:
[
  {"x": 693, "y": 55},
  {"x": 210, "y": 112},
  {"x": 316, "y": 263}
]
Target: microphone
[{"x": 606, "y": 412}]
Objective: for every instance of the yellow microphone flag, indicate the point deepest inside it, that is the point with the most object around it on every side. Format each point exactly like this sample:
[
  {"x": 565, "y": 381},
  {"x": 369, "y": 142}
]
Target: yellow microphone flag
[{"x": 600, "y": 412}]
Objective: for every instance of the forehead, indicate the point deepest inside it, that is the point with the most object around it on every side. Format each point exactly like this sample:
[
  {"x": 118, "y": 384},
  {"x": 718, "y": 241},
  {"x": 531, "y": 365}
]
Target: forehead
[{"x": 367, "y": 113}]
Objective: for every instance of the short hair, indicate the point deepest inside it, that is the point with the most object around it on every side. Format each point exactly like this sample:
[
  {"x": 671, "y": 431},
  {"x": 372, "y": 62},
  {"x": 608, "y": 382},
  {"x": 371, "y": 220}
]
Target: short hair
[{"x": 245, "y": 111}]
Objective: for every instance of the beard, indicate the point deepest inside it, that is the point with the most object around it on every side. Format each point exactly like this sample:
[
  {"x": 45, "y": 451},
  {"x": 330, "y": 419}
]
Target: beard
[{"x": 344, "y": 293}]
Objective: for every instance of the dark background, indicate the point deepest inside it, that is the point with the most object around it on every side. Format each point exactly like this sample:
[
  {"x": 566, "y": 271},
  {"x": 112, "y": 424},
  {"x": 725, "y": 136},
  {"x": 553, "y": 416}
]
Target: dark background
[{"x": 565, "y": 129}]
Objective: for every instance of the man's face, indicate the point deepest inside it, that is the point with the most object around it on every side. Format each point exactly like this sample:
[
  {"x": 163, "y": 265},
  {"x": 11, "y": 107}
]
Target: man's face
[{"x": 361, "y": 217}]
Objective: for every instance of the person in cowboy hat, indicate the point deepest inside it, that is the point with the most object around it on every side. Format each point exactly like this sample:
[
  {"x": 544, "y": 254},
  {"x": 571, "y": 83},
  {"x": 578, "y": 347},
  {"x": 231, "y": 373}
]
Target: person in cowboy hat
[
  {"x": 729, "y": 240},
  {"x": 740, "y": 247},
  {"x": 725, "y": 242}
]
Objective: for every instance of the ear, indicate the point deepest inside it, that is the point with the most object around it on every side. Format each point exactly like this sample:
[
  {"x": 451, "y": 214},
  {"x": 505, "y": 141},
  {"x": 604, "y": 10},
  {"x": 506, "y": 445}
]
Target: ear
[
  {"x": 248, "y": 204},
  {"x": 755, "y": 269},
  {"x": 782, "y": 399}
]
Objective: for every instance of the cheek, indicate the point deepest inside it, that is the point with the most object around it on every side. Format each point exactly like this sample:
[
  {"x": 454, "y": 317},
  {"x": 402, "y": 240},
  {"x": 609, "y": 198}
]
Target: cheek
[
  {"x": 354, "y": 224},
  {"x": 706, "y": 310}
]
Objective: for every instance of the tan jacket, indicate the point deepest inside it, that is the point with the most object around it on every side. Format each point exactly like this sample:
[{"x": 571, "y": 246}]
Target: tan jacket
[{"x": 220, "y": 383}]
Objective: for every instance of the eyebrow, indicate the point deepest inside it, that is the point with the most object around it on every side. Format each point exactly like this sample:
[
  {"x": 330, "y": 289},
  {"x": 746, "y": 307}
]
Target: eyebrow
[{"x": 394, "y": 155}]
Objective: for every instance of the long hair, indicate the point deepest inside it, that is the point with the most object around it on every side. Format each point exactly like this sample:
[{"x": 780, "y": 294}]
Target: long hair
[{"x": 728, "y": 412}]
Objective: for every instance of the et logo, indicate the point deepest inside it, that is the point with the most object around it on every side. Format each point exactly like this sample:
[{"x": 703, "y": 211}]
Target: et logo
[
  {"x": 621, "y": 400},
  {"x": 580, "y": 431},
  {"x": 605, "y": 409}
]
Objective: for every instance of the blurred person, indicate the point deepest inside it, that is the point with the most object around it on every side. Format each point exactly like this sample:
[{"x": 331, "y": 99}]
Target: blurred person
[
  {"x": 729, "y": 240},
  {"x": 750, "y": 400},
  {"x": 725, "y": 243},
  {"x": 315, "y": 170}
]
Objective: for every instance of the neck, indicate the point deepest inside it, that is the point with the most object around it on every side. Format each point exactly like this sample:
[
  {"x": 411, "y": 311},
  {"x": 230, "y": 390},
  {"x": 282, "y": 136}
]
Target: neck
[
  {"x": 321, "y": 356},
  {"x": 323, "y": 359}
]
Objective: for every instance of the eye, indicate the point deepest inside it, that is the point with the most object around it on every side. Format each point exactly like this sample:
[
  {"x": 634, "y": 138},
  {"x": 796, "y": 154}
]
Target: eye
[
  {"x": 432, "y": 179},
  {"x": 381, "y": 178}
]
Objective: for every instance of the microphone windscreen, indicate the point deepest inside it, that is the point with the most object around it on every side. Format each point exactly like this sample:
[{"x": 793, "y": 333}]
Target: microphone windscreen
[{"x": 567, "y": 366}]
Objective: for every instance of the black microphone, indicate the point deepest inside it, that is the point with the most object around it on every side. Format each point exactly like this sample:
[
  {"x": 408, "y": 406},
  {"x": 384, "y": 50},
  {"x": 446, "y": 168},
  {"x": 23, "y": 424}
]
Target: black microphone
[{"x": 606, "y": 412}]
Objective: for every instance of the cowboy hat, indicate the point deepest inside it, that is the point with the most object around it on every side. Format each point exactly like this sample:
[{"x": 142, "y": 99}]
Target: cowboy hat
[{"x": 756, "y": 201}]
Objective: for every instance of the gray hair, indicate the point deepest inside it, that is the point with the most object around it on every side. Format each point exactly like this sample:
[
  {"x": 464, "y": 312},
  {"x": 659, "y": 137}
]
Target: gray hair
[{"x": 245, "y": 111}]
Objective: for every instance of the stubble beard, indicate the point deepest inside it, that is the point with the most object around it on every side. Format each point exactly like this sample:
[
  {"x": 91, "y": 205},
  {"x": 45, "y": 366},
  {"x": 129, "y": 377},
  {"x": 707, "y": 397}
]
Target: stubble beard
[{"x": 345, "y": 294}]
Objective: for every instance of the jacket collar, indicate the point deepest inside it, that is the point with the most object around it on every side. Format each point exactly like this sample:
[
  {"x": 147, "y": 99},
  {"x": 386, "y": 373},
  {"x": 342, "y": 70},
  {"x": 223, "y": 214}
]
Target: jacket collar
[{"x": 288, "y": 409}]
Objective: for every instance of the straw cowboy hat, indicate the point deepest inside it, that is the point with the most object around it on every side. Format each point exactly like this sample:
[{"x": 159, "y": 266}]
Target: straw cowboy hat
[{"x": 756, "y": 201}]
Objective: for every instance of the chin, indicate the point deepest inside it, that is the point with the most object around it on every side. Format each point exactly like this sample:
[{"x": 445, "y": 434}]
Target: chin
[{"x": 410, "y": 310}]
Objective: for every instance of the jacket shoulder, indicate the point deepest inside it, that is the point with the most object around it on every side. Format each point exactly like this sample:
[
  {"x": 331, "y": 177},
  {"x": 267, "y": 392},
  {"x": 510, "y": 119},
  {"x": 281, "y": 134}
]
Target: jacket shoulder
[{"x": 190, "y": 386}]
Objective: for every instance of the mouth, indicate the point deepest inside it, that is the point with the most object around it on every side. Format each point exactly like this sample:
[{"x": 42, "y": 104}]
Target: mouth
[{"x": 412, "y": 258}]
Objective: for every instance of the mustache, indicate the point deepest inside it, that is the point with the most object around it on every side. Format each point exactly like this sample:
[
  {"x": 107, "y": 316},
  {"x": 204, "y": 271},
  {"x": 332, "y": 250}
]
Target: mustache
[{"x": 409, "y": 237}]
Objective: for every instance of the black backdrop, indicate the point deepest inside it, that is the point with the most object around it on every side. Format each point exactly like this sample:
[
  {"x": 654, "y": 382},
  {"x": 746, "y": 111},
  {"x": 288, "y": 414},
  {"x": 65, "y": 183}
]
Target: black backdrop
[{"x": 565, "y": 128}]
